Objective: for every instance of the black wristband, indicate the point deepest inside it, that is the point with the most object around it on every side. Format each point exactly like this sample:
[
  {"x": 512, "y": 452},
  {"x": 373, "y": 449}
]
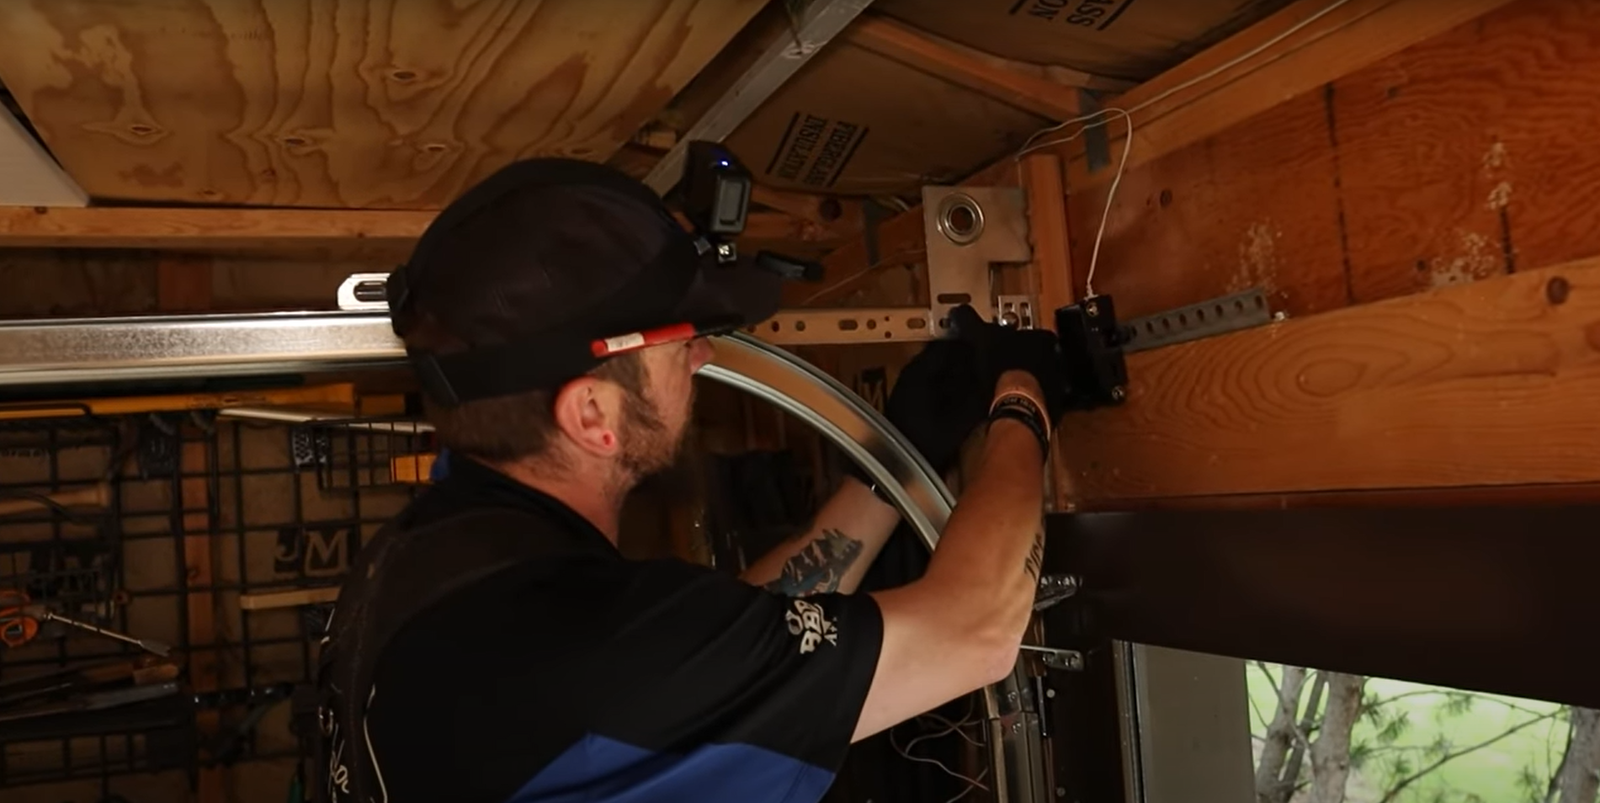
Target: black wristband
[{"x": 1022, "y": 408}]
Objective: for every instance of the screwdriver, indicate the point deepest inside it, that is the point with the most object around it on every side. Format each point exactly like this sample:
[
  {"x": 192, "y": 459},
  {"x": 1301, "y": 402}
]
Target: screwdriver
[{"x": 148, "y": 645}]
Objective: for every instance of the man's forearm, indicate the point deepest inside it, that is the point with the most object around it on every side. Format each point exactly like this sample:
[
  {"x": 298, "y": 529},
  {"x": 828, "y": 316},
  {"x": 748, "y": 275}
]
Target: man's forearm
[
  {"x": 834, "y": 553},
  {"x": 992, "y": 549}
]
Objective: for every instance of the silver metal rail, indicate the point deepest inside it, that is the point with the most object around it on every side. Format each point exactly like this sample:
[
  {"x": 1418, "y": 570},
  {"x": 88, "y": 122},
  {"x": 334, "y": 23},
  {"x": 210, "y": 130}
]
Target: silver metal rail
[
  {"x": 47, "y": 352},
  {"x": 170, "y": 347}
]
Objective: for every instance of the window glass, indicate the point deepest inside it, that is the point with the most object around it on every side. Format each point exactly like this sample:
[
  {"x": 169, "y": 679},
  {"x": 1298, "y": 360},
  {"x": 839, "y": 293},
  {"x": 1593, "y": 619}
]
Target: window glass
[{"x": 1325, "y": 737}]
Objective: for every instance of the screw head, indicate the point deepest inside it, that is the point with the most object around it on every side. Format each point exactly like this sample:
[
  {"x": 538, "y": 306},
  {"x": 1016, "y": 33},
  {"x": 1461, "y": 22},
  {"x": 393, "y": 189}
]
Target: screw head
[
  {"x": 1051, "y": 693},
  {"x": 1118, "y": 393},
  {"x": 1091, "y": 309}
]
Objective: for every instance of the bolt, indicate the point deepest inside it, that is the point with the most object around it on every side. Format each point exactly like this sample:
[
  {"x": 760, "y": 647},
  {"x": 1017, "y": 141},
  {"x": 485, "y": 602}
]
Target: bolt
[
  {"x": 1051, "y": 693},
  {"x": 1016, "y": 727},
  {"x": 1074, "y": 661},
  {"x": 1118, "y": 393},
  {"x": 1091, "y": 309}
]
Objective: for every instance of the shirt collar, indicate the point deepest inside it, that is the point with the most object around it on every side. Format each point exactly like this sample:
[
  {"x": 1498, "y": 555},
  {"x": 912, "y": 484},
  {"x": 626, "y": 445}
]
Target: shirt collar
[{"x": 471, "y": 482}]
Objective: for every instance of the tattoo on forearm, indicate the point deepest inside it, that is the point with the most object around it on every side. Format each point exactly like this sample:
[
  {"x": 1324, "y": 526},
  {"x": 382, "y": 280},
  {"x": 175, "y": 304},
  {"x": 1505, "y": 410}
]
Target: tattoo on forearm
[
  {"x": 819, "y": 566},
  {"x": 1035, "y": 562}
]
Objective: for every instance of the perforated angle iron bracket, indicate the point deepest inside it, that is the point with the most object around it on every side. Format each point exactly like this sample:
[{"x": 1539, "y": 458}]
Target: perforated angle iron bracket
[{"x": 968, "y": 230}]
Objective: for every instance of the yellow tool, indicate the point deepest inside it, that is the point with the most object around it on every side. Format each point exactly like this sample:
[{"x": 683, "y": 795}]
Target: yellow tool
[
  {"x": 412, "y": 468},
  {"x": 341, "y": 396}
]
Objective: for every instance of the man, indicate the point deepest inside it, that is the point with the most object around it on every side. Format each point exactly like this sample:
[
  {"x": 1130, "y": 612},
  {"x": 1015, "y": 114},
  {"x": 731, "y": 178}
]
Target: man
[{"x": 493, "y": 645}]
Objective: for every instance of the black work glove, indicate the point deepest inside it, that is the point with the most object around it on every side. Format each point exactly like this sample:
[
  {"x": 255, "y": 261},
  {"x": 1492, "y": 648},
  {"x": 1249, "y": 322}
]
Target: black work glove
[
  {"x": 999, "y": 349},
  {"x": 940, "y": 397}
]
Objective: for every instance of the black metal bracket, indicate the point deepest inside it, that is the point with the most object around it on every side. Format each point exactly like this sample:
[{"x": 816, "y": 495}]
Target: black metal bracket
[{"x": 1091, "y": 346}]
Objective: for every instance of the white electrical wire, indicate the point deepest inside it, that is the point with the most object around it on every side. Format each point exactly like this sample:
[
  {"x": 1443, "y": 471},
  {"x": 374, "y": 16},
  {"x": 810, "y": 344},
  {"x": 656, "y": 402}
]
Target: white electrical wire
[
  {"x": 967, "y": 791},
  {"x": 950, "y": 727},
  {"x": 1104, "y": 116},
  {"x": 1111, "y": 194}
]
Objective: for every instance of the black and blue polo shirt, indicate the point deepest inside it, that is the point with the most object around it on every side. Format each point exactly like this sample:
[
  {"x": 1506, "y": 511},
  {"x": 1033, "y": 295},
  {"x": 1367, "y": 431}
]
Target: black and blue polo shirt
[{"x": 590, "y": 677}]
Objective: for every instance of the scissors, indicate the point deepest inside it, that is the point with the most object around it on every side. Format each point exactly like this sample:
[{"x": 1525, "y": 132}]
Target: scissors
[{"x": 19, "y": 618}]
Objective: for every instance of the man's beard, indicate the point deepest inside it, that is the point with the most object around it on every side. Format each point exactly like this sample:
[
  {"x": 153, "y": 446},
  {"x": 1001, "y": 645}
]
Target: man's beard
[{"x": 648, "y": 446}]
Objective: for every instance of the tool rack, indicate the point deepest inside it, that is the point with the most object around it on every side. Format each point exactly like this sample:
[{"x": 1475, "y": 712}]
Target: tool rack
[{"x": 271, "y": 513}]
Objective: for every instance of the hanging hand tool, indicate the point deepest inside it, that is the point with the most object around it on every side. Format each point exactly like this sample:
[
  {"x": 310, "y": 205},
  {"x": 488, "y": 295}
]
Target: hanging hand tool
[
  {"x": 20, "y": 619},
  {"x": 81, "y": 679},
  {"x": 148, "y": 645}
]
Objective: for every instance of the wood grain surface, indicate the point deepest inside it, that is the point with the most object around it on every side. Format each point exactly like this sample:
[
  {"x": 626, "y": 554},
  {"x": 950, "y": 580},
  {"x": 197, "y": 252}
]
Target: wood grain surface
[
  {"x": 1256, "y": 207},
  {"x": 1458, "y": 159},
  {"x": 1291, "y": 53},
  {"x": 342, "y": 103},
  {"x": 1468, "y": 156},
  {"x": 192, "y": 228},
  {"x": 1489, "y": 383}
]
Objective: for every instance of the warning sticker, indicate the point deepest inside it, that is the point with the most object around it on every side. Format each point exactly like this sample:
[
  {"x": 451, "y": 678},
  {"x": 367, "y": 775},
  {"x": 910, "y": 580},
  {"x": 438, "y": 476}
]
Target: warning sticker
[
  {"x": 1096, "y": 14},
  {"x": 815, "y": 150}
]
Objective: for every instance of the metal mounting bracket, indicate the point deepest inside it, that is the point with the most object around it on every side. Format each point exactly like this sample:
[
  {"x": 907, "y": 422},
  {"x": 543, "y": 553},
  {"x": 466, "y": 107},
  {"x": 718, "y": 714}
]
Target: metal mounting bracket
[
  {"x": 1069, "y": 660},
  {"x": 1214, "y": 316},
  {"x": 967, "y": 230},
  {"x": 1016, "y": 310}
]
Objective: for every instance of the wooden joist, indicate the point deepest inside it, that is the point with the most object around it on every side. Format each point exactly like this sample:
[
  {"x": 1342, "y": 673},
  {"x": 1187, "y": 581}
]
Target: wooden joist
[
  {"x": 247, "y": 229},
  {"x": 1051, "y": 93},
  {"x": 1459, "y": 159},
  {"x": 896, "y": 241},
  {"x": 1486, "y": 384},
  {"x": 1321, "y": 45},
  {"x": 1292, "y": 52}
]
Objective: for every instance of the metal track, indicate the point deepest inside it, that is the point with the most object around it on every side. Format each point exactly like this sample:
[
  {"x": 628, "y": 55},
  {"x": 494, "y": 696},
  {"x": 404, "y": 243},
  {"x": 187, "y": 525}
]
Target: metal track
[{"x": 51, "y": 352}]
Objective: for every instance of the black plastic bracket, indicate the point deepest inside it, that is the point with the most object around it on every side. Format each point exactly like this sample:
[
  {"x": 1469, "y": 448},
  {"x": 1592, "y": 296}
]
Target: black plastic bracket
[{"x": 1091, "y": 346}]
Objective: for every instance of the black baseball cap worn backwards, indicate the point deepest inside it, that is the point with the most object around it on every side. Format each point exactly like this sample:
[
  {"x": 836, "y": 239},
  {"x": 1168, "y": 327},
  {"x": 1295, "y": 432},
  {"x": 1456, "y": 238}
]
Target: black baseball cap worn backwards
[{"x": 527, "y": 270}]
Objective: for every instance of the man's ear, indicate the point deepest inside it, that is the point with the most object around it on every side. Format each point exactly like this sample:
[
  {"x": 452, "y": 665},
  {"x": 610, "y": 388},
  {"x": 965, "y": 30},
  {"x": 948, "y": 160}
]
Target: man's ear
[{"x": 589, "y": 411}]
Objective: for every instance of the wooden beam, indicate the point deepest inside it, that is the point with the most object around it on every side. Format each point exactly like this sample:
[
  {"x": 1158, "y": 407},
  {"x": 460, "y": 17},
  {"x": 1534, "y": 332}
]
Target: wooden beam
[
  {"x": 1290, "y": 53},
  {"x": 841, "y": 216},
  {"x": 1049, "y": 276},
  {"x": 204, "y": 669},
  {"x": 896, "y": 241},
  {"x": 183, "y": 283},
  {"x": 1030, "y": 87},
  {"x": 246, "y": 229},
  {"x": 1300, "y": 48},
  {"x": 1491, "y": 383},
  {"x": 1050, "y": 272}
]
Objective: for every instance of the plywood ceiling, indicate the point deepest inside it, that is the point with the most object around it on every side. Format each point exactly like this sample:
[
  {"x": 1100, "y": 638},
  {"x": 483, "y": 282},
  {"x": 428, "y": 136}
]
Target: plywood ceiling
[
  {"x": 402, "y": 104},
  {"x": 342, "y": 103}
]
